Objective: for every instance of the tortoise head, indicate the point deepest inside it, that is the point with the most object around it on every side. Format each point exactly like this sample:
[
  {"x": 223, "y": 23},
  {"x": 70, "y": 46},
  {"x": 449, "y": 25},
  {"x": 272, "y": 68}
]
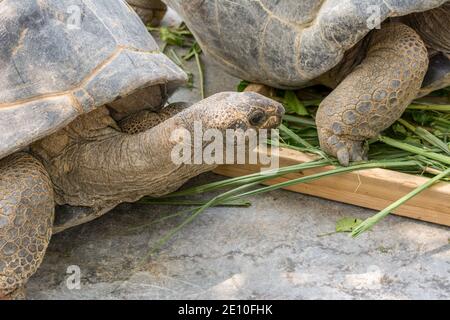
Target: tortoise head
[{"x": 232, "y": 110}]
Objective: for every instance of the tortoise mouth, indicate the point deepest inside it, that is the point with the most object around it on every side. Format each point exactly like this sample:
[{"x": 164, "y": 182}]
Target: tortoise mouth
[
  {"x": 273, "y": 122},
  {"x": 275, "y": 117}
]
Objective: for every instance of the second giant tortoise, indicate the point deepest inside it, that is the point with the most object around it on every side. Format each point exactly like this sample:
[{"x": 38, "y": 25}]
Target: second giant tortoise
[
  {"x": 378, "y": 55},
  {"x": 82, "y": 123}
]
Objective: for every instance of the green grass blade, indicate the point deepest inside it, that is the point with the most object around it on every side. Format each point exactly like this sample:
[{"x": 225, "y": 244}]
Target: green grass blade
[
  {"x": 416, "y": 150},
  {"x": 370, "y": 222},
  {"x": 200, "y": 74},
  {"x": 255, "y": 177},
  {"x": 176, "y": 202},
  {"x": 295, "y": 137},
  {"x": 429, "y": 107},
  {"x": 293, "y": 104},
  {"x": 426, "y": 135},
  {"x": 299, "y": 120},
  {"x": 213, "y": 202},
  {"x": 336, "y": 171},
  {"x": 168, "y": 217}
]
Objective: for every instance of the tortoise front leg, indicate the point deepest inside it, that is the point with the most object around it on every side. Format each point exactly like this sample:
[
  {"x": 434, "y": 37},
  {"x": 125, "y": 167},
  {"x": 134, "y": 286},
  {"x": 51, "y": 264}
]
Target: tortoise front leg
[
  {"x": 26, "y": 218},
  {"x": 150, "y": 11},
  {"x": 375, "y": 94}
]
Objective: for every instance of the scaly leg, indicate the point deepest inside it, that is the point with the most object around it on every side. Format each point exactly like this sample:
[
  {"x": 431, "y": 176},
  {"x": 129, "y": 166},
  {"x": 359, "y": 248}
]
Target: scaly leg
[
  {"x": 375, "y": 94},
  {"x": 26, "y": 218}
]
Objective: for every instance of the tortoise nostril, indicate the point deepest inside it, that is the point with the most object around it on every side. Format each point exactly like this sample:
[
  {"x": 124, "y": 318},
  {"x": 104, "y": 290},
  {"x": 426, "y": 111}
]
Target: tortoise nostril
[{"x": 280, "y": 111}]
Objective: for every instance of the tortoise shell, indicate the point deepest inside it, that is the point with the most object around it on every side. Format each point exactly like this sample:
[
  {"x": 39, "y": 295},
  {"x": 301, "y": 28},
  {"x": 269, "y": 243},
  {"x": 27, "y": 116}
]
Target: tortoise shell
[{"x": 63, "y": 58}]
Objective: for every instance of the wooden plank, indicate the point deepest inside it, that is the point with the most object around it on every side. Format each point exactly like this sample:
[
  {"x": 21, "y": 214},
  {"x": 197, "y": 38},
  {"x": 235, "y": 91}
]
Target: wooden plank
[{"x": 374, "y": 188}]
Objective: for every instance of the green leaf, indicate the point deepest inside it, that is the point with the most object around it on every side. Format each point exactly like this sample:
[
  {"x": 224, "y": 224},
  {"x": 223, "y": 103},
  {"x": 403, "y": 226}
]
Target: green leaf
[
  {"x": 422, "y": 117},
  {"x": 293, "y": 104},
  {"x": 399, "y": 129},
  {"x": 295, "y": 137},
  {"x": 304, "y": 121},
  {"x": 177, "y": 36},
  {"x": 415, "y": 141},
  {"x": 347, "y": 224},
  {"x": 242, "y": 85},
  {"x": 195, "y": 49}
]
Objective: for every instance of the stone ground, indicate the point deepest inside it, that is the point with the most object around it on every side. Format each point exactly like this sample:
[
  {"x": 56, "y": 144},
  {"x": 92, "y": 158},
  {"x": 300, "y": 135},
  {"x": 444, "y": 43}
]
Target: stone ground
[{"x": 271, "y": 250}]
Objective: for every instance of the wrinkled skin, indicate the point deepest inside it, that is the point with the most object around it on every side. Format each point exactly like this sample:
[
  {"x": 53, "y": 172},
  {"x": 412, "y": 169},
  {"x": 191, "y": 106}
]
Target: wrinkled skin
[{"x": 291, "y": 44}]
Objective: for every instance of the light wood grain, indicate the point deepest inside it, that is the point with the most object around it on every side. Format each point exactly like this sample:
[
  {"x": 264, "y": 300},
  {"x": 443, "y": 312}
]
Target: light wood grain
[{"x": 374, "y": 188}]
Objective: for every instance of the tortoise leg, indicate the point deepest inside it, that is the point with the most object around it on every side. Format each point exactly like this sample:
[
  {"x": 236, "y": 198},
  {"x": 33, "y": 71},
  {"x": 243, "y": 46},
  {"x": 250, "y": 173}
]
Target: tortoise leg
[
  {"x": 26, "y": 218},
  {"x": 145, "y": 119},
  {"x": 150, "y": 11},
  {"x": 375, "y": 94}
]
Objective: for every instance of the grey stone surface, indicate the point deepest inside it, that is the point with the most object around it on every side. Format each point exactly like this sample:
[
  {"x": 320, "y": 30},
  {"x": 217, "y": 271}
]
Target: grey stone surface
[{"x": 269, "y": 251}]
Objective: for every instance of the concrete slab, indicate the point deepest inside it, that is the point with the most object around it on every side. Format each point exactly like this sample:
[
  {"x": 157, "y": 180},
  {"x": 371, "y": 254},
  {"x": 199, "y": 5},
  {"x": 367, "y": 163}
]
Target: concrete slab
[{"x": 269, "y": 251}]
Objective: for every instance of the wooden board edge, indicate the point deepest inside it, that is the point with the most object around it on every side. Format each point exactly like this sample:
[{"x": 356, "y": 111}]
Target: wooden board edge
[{"x": 373, "y": 189}]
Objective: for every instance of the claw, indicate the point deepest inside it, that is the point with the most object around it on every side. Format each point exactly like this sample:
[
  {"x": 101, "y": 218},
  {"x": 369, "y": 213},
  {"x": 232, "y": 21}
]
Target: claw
[
  {"x": 345, "y": 149},
  {"x": 359, "y": 151}
]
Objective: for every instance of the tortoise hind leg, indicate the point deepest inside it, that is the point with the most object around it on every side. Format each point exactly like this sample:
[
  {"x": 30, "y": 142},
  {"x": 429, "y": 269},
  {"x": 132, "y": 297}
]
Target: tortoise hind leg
[
  {"x": 26, "y": 219},
  {"x": 375, "y": 94}
]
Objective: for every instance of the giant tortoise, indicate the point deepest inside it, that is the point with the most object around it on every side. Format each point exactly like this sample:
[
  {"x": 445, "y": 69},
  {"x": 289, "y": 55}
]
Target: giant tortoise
[
  {"x": 377, "y": 55},
  {"x": 82, "y": 123}
]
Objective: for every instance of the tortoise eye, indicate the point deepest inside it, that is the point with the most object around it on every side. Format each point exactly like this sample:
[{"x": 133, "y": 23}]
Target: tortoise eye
[{"x": 257, "y": 118}]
